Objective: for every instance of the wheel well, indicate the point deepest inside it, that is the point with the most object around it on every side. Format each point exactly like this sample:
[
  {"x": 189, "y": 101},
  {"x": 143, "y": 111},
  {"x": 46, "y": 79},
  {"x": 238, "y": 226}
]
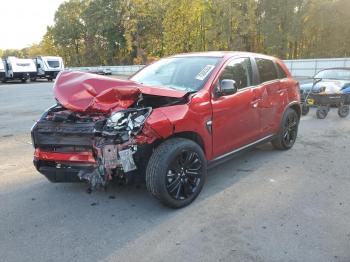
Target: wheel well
[
  {"x": 191, "y": 136},
  {"x": 296, "y": 108}
]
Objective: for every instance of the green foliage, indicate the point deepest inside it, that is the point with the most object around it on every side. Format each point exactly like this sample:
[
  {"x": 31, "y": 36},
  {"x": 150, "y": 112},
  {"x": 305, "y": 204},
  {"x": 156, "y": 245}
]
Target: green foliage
[
  {"x": 69, "y": 31},
  {"x": 103, "y": 32},
  {"x": 183, "y": 26},
  {"x": 327, "y": 29}
]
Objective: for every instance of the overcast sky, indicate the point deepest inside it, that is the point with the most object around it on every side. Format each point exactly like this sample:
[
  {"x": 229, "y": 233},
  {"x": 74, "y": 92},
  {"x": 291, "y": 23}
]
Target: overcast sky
[{"x": 23, "y": 22}]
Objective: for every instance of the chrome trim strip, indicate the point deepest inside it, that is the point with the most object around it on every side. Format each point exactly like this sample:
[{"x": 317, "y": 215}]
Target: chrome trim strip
[{"x": 241, "y": 148}]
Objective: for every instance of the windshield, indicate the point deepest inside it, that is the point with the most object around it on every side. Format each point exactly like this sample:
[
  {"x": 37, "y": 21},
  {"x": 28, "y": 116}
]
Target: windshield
[
  {"x": 180, "y": 73},
  {"x": 339, "y": 74}
]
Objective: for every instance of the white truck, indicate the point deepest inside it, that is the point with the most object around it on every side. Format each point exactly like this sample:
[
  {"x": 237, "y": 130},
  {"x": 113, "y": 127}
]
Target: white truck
[
  {"x": 19, "y": 69},
  {"x": 2, "y": 71},
  {"x": 48, "y": 66}
]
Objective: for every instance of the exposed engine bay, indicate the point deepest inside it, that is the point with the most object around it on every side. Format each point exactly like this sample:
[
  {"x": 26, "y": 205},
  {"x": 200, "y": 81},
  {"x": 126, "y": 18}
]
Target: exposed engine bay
[
  {"x": 114, "y": 145},
  {"x": 110, "y": 140}
]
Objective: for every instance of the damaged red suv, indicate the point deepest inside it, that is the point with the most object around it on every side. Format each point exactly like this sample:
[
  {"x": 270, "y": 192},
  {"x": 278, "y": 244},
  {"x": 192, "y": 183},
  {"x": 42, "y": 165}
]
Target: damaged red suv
[{"x": 167, "y": 123}]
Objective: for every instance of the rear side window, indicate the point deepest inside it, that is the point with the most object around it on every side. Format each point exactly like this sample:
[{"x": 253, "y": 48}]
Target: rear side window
[
  {"x": 239, "y": 70},
  {"x": 267, "y": 70},
  {"x": 281, "y": 73}
]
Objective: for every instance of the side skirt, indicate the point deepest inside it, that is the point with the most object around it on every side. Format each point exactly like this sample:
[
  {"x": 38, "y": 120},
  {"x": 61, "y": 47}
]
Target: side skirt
[{"x": 223, "y": 158}]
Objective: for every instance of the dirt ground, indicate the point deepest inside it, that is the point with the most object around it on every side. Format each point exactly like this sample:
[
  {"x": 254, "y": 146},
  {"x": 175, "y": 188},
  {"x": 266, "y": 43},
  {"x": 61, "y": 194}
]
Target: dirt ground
[{"x": 263, "y": 205}]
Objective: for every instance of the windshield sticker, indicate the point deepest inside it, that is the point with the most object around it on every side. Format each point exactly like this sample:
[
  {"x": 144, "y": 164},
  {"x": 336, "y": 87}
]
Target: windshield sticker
[{"x": 205, "y": 72}]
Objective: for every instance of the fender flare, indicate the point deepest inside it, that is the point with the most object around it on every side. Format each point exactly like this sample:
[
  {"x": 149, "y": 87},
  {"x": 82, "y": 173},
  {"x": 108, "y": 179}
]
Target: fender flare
[{"x": 294, "y": 105}]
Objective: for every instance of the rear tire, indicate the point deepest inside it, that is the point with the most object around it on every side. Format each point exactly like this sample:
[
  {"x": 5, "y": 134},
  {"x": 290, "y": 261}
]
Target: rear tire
[
  {"x": 322, "y": 112},
  {"x": 176, "y": 172},
  {"x": 288, "y": 133},
  {"x": 343, "y": 111}
]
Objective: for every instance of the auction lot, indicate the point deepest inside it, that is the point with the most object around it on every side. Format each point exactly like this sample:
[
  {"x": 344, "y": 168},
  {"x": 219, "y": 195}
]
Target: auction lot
[{"x": 263, "y": 205}]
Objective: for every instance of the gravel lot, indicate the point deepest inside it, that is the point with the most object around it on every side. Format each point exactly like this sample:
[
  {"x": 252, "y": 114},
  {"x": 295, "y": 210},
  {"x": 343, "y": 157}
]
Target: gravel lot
[{"x": 264, "y": 205}]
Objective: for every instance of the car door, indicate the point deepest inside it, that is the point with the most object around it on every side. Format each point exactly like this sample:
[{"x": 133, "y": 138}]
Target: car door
[
  {"x": 235, "y": 121},
  {"x": 270, "y": 95}
]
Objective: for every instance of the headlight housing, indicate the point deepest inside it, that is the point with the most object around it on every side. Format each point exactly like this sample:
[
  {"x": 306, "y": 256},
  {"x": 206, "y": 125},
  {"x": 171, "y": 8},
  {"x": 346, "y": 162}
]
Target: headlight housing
[{"x": 129, "y": 120}]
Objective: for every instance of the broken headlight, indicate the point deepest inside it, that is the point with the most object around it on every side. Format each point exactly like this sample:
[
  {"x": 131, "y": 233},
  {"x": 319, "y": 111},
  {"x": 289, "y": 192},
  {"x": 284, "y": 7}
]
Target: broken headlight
[{"x": 126, "y": 122}]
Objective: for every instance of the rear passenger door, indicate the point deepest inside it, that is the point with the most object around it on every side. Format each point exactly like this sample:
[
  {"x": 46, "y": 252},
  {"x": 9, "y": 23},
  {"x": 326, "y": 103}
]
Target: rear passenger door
[{"x": 271, "y": 95}]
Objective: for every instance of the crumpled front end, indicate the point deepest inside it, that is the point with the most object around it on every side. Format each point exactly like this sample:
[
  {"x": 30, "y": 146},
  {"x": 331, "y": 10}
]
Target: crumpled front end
[
  {"x": 71, "y": 147},
  {"x": 95, "y": 137}
]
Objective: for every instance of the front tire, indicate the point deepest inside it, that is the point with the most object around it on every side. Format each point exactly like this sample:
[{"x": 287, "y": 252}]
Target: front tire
[
  {"x": 287, "y": 135},
  {"x": 176, "y": 172}
]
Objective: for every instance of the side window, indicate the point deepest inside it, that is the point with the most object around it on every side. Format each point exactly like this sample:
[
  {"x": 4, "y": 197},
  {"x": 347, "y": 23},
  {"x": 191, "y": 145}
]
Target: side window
[
  {"x": 267, "y": 70},
  {"x": 239, "y": 70},
  {"x": 281, "y": 73}
]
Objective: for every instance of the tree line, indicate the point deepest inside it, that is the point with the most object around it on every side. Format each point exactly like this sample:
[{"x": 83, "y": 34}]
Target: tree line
[{"x": 115, "y": 32}]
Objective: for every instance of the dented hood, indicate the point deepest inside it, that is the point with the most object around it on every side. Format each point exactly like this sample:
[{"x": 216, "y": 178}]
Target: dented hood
[{"x": 84, "y": 92}]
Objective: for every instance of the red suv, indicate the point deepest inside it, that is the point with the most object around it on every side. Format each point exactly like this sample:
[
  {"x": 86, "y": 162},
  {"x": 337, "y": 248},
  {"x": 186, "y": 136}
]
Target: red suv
[{"x": 167, "y": 123}]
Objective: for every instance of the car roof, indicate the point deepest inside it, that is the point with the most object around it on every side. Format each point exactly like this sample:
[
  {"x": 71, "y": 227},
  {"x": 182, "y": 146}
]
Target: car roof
[{"x": 223, "y": 54}]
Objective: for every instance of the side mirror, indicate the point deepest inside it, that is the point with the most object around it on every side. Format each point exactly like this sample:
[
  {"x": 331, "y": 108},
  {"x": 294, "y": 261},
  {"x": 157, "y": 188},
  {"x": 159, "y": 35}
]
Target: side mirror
[{"x": 227, "y": 87}]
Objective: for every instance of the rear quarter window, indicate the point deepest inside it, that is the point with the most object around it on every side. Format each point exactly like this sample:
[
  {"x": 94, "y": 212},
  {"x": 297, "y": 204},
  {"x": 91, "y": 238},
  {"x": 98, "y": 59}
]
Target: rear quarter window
[
  {"x": 281, "y": 73},
  {"x": 267, "y": 70}
]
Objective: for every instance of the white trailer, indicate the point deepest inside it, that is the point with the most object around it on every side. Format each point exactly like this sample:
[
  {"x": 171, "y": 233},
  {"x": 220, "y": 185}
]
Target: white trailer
[
  {"x": 19, "y": 69},
  {"x": 2, "y": 71},
  {"x": 48, "y": 66}
]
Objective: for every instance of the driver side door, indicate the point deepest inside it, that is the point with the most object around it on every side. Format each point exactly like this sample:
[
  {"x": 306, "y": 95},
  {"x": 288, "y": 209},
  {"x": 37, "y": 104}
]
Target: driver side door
[{"x": 235, "y": 121}]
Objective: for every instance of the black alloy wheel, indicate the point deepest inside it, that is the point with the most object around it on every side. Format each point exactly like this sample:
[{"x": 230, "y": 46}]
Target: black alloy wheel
[
  {"x": 176, "y": 172},
  {"x": 290, "y": 130},
  {"x": 184, "y": 175}
]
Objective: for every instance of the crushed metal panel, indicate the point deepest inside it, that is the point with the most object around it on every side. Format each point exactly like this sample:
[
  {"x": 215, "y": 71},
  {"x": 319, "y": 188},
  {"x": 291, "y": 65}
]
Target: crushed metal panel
[
  {"x": 110, "y": 156},
  {"x": 127, "y": 160}
]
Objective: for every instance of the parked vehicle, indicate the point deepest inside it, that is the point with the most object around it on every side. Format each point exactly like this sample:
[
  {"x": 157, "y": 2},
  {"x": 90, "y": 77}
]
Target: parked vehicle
[
  {"x": 19, "y": 69},
  {"x": 324, "y": 92},
  {"x": 330, "y": 81},
  {"x": 48, "y": 67},
  {"x": 2, "y": 70},
  {"x": 167, "y": 123},
  {"x": 100, "y": 71}
]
